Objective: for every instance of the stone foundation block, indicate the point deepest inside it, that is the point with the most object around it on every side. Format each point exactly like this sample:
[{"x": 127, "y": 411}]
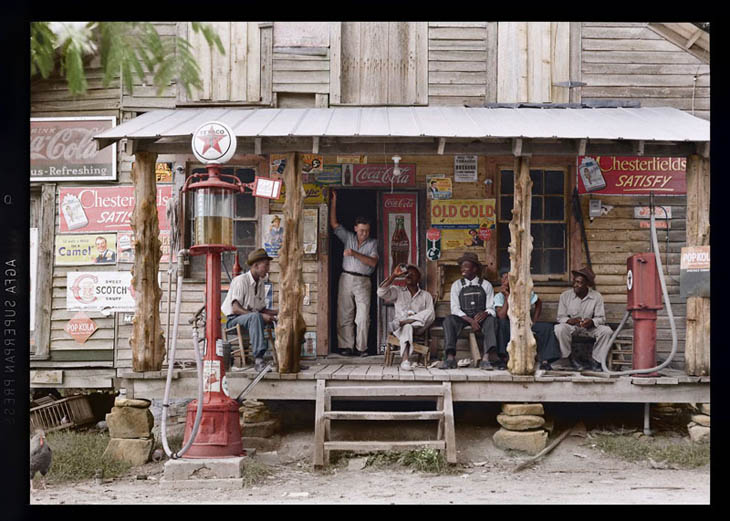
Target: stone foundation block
[
  {"x": 265, "y": 429},
  {"x": 531, "y": 442},
  {"x": 699, "y": 433},
  {"x": 705, "y": 408},
  {"x": 701, "y": 419},
  {"x": 520, "y": 423},
  {"x": 204, "y": 468},
  {"x": 196, "y": 484},
  {"x": 261, "y": 444},
  {"x": 518, "y": 409},
  {"x": 130, "y": 422},
  {"x": 140, "y": 403},
  {"x": 136, "y": 452}
]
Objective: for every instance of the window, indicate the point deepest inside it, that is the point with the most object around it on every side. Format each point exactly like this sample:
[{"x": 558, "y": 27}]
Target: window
[
  {"x": 245, "y": 217},
  {"x": 548, "y": 223}
]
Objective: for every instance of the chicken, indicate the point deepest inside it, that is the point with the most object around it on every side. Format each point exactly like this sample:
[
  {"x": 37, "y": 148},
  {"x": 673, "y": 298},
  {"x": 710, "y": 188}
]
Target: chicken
[{"x": 40, "y": 456}]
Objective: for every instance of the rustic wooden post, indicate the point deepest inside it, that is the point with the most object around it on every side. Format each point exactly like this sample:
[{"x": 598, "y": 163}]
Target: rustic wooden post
[
  {"x": 522, "y": 346},
  {"x": 697, "y": 346},
  {"x": 290, "y": 327},
  {"x": 147, "y": 341}
]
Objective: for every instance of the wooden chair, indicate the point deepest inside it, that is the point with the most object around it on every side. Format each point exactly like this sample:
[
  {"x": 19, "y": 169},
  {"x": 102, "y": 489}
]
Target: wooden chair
[
  {"x": 392, "y": 346},
  {"x": 240, "y": 342}
]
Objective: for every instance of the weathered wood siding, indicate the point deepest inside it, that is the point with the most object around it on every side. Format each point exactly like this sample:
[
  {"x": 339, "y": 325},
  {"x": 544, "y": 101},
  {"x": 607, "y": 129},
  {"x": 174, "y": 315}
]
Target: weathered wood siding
[
  {"x": 457, "y": 63},
  {"x": 630, "y": 61},
  {"x": 242, "y": 75},
  {"x": 383, "y": 63},
  {"x": 531, "y": 58}
]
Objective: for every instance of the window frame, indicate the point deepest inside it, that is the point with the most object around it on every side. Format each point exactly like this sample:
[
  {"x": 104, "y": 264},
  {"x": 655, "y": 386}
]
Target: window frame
[{"x": 567, "y": 187}]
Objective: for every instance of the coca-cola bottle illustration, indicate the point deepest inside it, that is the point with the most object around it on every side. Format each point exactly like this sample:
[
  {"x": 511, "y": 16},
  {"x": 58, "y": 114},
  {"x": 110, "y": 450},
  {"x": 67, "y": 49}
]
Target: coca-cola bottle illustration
[{"x": 399, "y": 243}]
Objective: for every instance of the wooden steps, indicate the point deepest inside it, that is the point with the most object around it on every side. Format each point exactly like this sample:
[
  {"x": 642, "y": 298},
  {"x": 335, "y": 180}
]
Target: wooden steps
[{"x": 444, "y": 414}]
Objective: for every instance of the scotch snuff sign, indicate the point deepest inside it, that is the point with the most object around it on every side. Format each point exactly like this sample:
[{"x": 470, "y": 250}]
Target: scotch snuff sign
[{"x": 214, "y": 143}]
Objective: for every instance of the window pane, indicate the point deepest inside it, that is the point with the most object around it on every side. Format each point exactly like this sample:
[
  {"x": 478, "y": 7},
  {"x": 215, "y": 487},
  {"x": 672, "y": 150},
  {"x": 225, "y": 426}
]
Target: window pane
[
  {"x": 554, "y": 235},
  {"x": 555, "y": 261},
  {"x": 245, "y": 234},
  {"x": 536, "y": 176},
  {"x": 536, "y": 230},
  {"x": 246, "y": 175},
  {"x": 245, "y": 205},
  {"x": 507, "y": 185},
  {"x": 505, "y": 208},
  {"x": 504, "y": 236},
  {"x": 537, "y": 208},
  {"x": 554, "y": 209},
  {"x": 503, "y": 259},
  {"x": 554, "y": 182},
  {"x": 536, "y": 262}
]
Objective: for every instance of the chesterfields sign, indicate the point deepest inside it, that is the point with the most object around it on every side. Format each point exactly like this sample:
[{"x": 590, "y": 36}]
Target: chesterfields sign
[
  {"x": 616, "y": 175},
  {"x": 63, "y": 149}
]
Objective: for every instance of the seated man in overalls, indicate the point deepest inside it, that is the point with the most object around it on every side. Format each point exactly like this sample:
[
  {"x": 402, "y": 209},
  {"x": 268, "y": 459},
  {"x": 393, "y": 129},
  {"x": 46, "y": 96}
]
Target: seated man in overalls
[{"x": 472, "y": 304}]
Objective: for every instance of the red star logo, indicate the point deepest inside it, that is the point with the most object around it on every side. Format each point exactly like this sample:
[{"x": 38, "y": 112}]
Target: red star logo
[{"x": 210, "y": 139}]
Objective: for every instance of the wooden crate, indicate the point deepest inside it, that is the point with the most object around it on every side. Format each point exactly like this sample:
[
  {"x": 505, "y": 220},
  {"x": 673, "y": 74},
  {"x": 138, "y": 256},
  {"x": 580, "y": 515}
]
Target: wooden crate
[{"x": 61, "y": 414}]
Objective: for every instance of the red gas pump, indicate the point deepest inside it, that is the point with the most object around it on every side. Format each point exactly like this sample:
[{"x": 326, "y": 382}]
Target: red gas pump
[{"x": 644, "y": 298}]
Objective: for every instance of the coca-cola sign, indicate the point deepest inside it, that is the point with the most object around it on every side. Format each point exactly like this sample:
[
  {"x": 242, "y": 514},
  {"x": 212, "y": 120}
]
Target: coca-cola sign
[
  {"x": 381, "y": 175},
  {"x": 64, "y": 149}
]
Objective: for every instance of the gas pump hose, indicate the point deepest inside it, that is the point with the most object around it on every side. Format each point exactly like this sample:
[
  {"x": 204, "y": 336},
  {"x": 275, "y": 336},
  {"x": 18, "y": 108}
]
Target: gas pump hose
[
  {"x": 665, "y": 295},
  {"x": 170, "y": 365}
]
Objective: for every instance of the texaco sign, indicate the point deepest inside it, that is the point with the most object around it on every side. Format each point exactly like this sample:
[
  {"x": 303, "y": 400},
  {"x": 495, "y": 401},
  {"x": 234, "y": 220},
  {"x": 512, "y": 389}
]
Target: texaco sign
[{"x": 214, "y": 143}]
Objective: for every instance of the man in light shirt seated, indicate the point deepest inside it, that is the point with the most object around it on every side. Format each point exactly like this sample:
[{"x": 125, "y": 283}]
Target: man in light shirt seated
[{"x": 414, "y": 311}]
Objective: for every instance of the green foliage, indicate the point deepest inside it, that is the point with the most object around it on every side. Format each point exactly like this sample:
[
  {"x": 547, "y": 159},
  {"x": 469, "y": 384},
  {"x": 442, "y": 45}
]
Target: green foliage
[
  {"x": 678, "y": 452},
  {"x": 78, "y": 455},
  {"x": 133, "y": 50},
  {"x": 253, "y": 472},
  {"x": 423, "y": 460}
]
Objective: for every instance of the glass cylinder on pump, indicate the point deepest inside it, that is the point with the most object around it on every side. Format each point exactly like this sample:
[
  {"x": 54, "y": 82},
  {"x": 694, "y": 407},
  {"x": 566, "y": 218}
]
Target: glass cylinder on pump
[{"x": 213, "y": 222}]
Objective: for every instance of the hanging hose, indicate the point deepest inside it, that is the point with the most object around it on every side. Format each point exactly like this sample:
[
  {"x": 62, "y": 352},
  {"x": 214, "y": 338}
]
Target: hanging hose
[
  {"x": 655, "y": 247},
  {"x": 170, "y": 364}
]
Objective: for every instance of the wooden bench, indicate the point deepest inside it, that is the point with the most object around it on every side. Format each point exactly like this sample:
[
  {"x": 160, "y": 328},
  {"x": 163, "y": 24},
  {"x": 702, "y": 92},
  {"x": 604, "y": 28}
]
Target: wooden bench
[
  {"x": 437, "y": 332},
  {"x": 444, "y": 413}
]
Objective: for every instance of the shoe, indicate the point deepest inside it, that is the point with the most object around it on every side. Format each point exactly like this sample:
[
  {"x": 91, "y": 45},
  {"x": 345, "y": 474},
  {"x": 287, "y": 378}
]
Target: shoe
[
  {"x": 406, "y": 365},
  {"x": 363, "y": 354},
  {"x": 486, "y": 365},
  {"x": 595, "y": 366},
  {"x": 448, "y": 364},
  {"x": 576, "y": 365},
  {"x": 500, "y": 365},
  {"x": 545, "y": 366},
  {"x": 259, "y": 365},
  {"x": 346, "y": 352}
]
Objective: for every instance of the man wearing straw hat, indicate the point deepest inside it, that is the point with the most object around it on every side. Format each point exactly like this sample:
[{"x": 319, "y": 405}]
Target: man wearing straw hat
[
  {"x": 245, "y": 304},
  {"x": 581, "y": 313}
]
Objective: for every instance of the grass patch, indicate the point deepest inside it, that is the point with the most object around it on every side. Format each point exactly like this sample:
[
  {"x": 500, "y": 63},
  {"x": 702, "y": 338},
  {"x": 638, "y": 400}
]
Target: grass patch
[
  {"x": 423, "y": 460},
  {"x": 254, "y": 472},
  {"x": 175, "y": 443},
  {"x": 77, "y": 457},
  {"x": 673, "y": 452}
]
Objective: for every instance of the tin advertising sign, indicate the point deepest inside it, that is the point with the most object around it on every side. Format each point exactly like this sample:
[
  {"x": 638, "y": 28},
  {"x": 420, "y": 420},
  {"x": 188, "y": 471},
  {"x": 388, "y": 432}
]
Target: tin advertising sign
[
  {"x": 105, "y": 208},
  {"x": 381, "y": 175},
  {"x": 109, "y": 291},
  {"x": 63, "y": 149},
  {"x": 614, "y": 175},
  {"x": 694, "y": 272},
  {"x": 400, "y": 221},
  {"x": 80, "y": 327},
  {"x": 464, "y": 223},
  {"x": 82, "y": 249}
]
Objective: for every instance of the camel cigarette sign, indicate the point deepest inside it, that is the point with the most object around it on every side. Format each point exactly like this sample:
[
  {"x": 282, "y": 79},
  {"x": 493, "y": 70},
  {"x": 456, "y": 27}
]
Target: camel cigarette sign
[{"x": 63, "y": 149}]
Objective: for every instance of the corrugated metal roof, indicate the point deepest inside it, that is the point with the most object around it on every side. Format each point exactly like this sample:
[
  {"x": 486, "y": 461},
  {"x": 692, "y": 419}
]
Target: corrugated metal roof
[{"x": 649, "y": 124}]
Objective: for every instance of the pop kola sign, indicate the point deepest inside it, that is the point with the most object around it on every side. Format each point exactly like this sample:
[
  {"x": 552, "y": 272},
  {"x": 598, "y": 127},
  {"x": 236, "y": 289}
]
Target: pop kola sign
[
  {"x": 63, "y": 149},
  {"x": 615, "y": 175},
  {"x": 109, "y": 291},
  {"x": 80, "y": 327},
  {"x": 105, "y": 209},
  {"x": 381, "y": 175}
]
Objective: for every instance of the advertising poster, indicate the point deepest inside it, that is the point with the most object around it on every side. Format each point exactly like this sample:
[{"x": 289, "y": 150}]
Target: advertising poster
[
  {"x": 125, "y": 250},
  {"x": 104, "y": 208},
  {"x": 357, "y": 160},
  {"x": 63, "y": 149},
  {"x": 614, "y": 175},
  {"x": 310, "y": 218},
  {"x": 381, "y": 175},
  {"x": 272, "y": 226},
  {"x": 439, "y": 186},
  {"x": 80, "y": 327},
  {"x": 694, "y": 272},
  {"x": 79, "y": 250},
  {"x": 330, "y": 175},
  {"x": 464, "y": 223},
  {"x": 313, "y": 194},
  {"x": 347, "y": 173},
  {"x": 110, "y": 291},
  {"x": 400, "y": 220},
  {"x": 33, "y": 273},
  {"x": 311, "y": 163},
  {"x": 277, "y": 166},
  {"x": 309, "y": 347},
  {"x": 465, "y": 169}
]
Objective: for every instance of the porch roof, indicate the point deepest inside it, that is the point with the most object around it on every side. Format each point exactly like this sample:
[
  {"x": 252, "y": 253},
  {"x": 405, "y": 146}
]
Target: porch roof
[{"x": 650, "y": 124}]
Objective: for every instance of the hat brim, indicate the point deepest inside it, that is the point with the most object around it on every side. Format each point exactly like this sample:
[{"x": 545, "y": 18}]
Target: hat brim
[
  {"x": 259, "y": 259},
  {"x": 591, "y": 280},
  {"x": 470, "y": 259}
]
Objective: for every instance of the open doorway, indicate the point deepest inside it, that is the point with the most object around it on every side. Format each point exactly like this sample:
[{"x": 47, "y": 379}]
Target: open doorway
[{"x": 352, "y": 203}]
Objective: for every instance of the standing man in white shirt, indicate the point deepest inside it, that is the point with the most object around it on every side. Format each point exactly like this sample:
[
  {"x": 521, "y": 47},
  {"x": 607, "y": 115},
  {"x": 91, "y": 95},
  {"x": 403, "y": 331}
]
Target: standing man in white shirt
[
  {"x": 472, "y": 304},
  {"x": 245, "y": 304},
  {"x": 414, "y": 311},
  {"x": 355, "y": 287}
]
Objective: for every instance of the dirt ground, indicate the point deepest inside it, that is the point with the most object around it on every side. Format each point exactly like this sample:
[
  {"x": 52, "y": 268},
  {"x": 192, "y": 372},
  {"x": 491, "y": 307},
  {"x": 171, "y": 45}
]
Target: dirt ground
[{"x": 574, "y": 473}]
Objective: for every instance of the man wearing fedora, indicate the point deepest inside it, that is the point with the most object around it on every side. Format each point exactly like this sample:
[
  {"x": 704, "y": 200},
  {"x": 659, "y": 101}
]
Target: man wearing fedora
[
  {"x": 581, "y": 313},
  {"x": 472, "y": 304},
  {"x": 414, "y": 311},
  {"x": 245, "y": 304}
]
